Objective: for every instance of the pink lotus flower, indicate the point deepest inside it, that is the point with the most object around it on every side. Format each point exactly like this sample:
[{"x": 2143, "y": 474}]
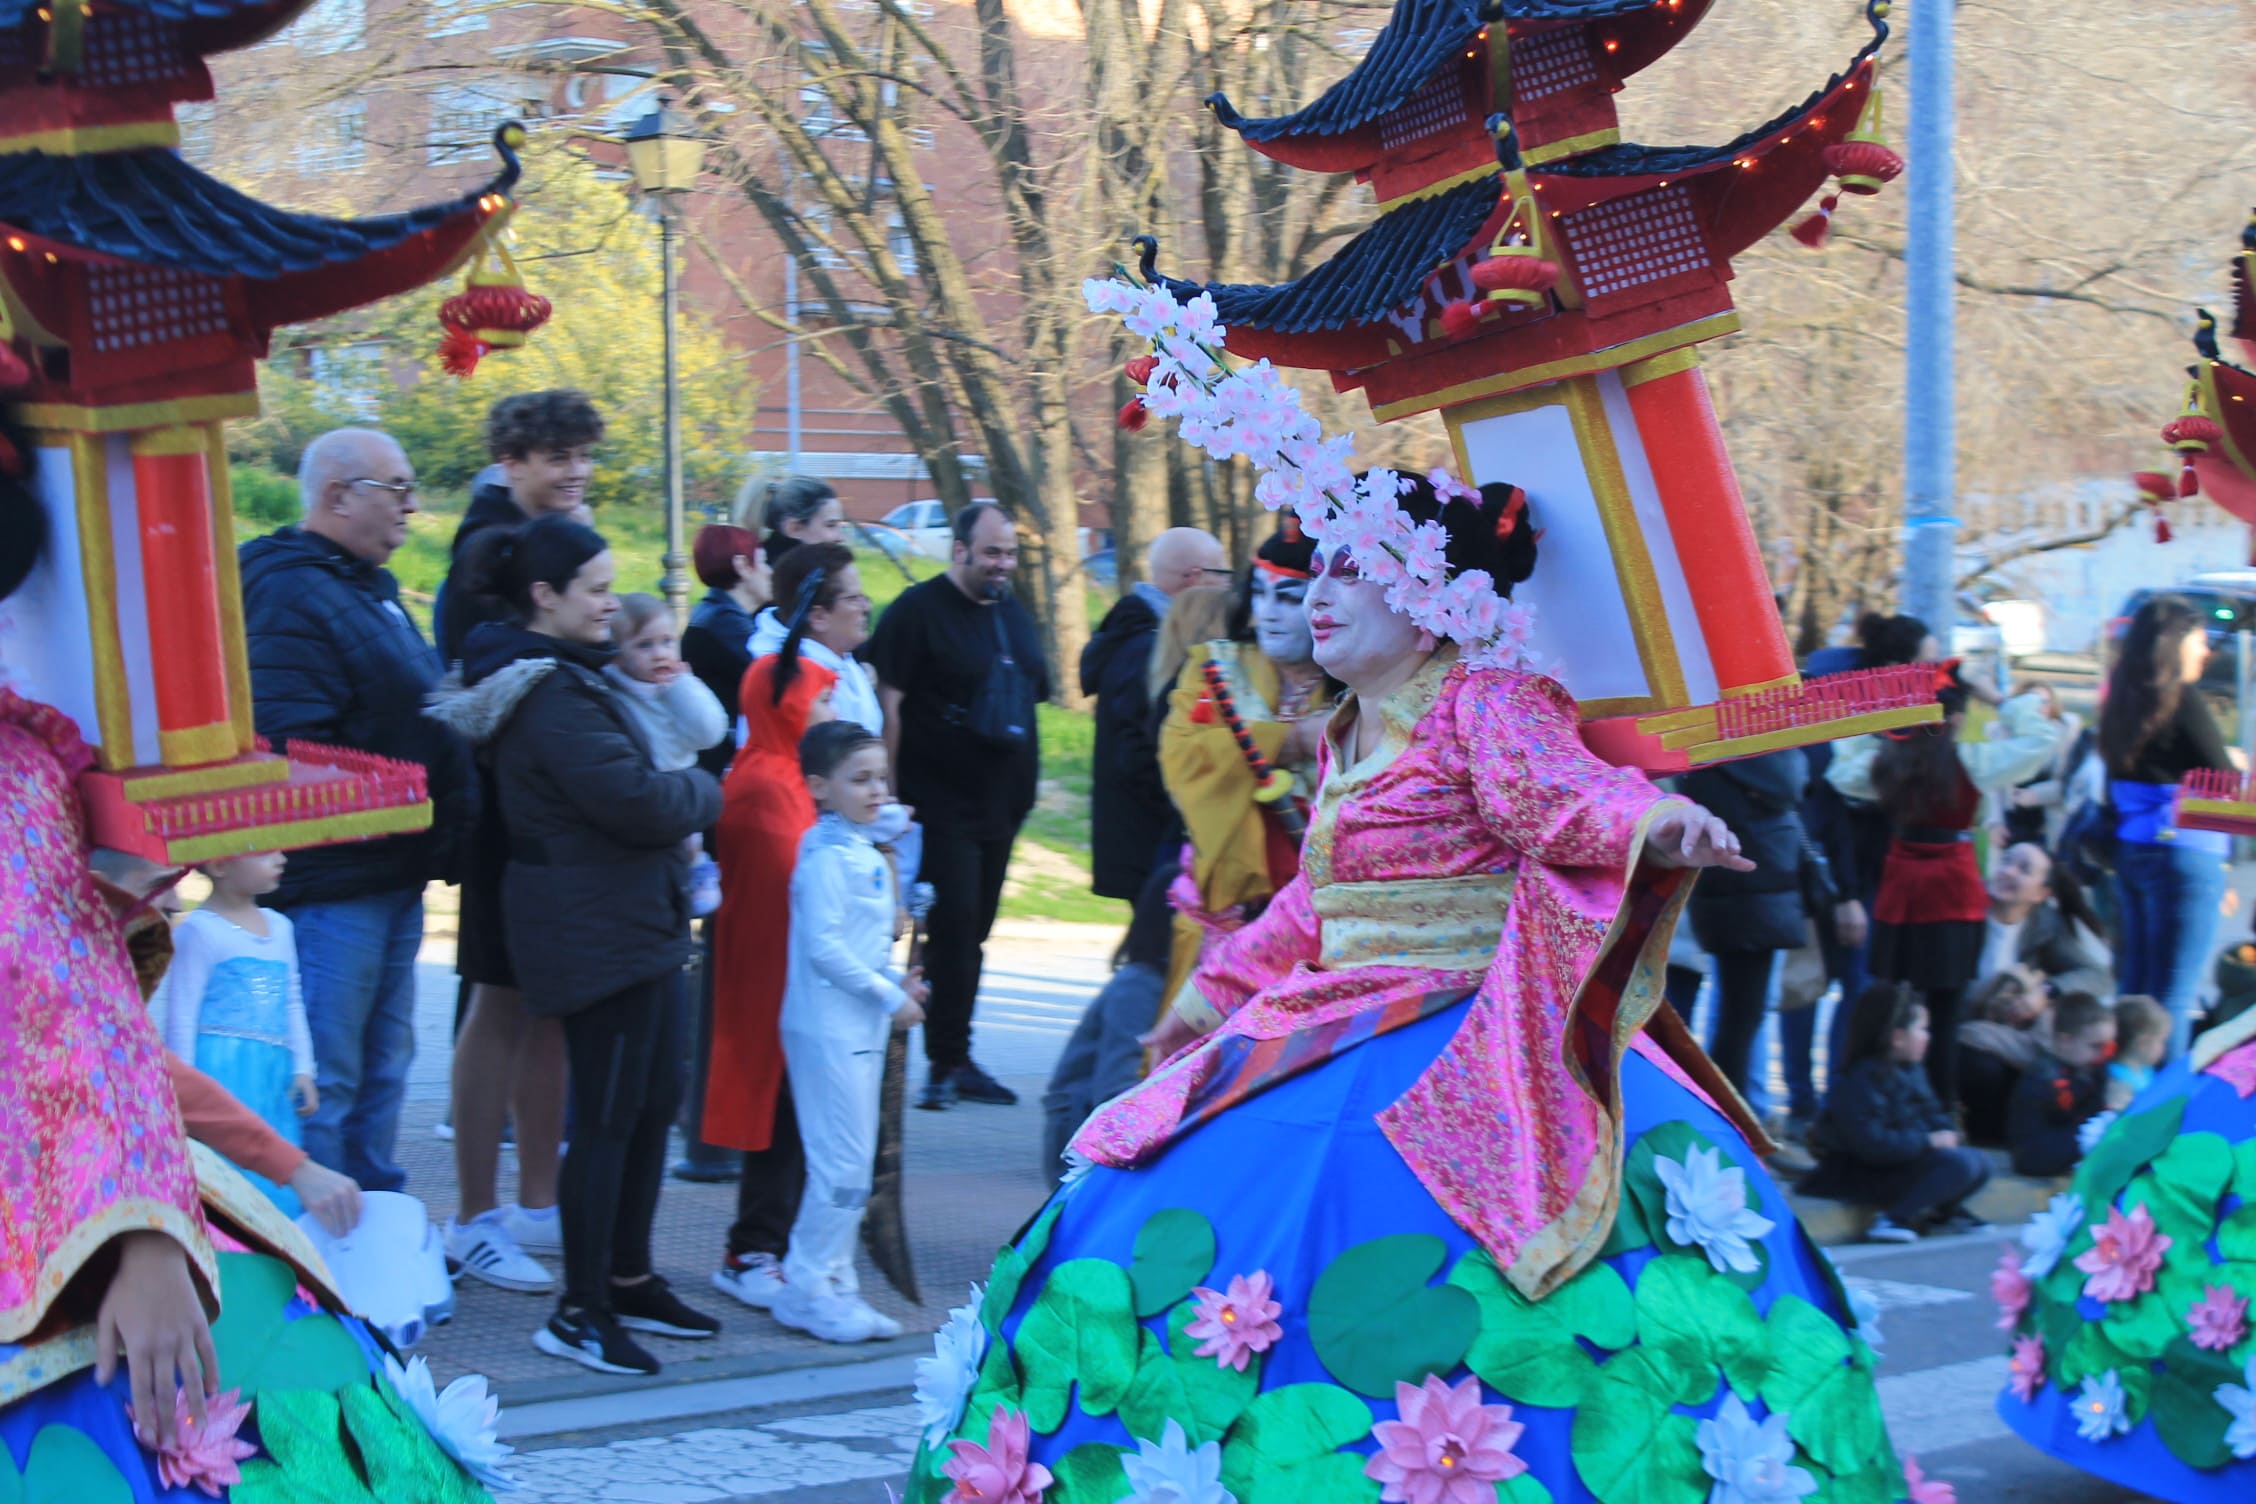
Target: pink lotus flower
[
  {"x": 2009, "y": 1287},
  {"x": 1235, "y": 1324},
  {"x": 205, "y": 1456},
  {"x": 1448, "y": 1448},
  {"x": 2219, "y": 1319},
  {"x": 1926, "y": 1490},
  {"x": 2124, "y": 1254},
  {"x": 999, "y": 1472},
  {"x": 2027, "y": 1374},
  {"x": 2237, "y": 1068}
]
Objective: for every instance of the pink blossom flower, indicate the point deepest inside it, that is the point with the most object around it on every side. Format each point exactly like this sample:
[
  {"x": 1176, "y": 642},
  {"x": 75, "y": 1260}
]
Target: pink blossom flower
[
  {"x": 999, "y": 1472},
  {"x": 2219, "y": 1319},
  {"x": 1235, "y": 1324},
  {"x": 1926, "y": 1490},
  {"x": 2237, "y": 1068},
  {"x": 205, "y": 1456},
  {"x": 2124, "y": 1254},
  {"x": 2028, "y": 1369},
  {"x": 1446, "y": 486},
  {"x": 2009, "y": 1287},
  {"x": 1448, "y": 1448}
]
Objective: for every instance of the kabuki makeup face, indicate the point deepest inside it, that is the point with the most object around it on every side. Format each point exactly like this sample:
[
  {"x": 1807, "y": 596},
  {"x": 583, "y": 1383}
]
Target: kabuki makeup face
[
  {"x": 1280, "y": 617},
  {"x": 1357, "y": 638}
]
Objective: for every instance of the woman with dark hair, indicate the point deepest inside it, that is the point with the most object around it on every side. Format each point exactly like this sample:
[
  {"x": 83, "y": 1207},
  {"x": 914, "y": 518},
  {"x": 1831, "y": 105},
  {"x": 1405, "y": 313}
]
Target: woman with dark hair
[
  {"x": 2154, "y": 728},
  {"x": 826, "y": 620},
  {"x": 596, "y": 914},
  {"x": 1434, "y": 1116},
  {"x": 1927, "y": 918},
  {"x": 717, "y": 643}
]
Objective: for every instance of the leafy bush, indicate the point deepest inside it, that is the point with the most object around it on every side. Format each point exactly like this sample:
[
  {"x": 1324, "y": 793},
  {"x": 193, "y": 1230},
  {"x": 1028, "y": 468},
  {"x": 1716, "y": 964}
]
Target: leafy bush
[{"x": 263, "y": 500}]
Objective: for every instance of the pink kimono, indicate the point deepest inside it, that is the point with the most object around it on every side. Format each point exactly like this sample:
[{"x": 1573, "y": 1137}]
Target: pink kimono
[{"x": 1480, "y": 811}]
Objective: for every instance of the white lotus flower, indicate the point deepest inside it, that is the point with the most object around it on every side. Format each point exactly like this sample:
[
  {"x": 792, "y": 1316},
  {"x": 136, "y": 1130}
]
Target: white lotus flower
[
  {"x": 945, "y": 1380},
  {"x": 461, "y": 1418},
  {"x": 1867, "y": 1313},
  {"x": 2089, "y": 1134},
  {"x": 1707, "y": 1209},
  {"x": 1751, "y": 1461},
  {"x": 2046, "y": 1237},
  {"x": 1077, "y": 1168},
  {"x": 2240, "y": 1401},
  {"x": 1171, "y": 1471},
  {"x": 2099, "y": 1407}
]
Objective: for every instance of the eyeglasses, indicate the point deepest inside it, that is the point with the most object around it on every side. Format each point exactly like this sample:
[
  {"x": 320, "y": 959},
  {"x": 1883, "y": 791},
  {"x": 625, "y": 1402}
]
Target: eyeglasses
[
  {"x": 1227, "y": 574},
  {"x": 402, "y": 490}
]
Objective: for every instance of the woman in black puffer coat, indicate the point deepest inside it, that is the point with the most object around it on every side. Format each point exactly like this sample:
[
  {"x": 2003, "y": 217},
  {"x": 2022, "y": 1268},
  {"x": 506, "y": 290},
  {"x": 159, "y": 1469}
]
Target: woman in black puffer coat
[
  {"x": 596, "y": 914},
  {"x": 1744, "y": 919}
]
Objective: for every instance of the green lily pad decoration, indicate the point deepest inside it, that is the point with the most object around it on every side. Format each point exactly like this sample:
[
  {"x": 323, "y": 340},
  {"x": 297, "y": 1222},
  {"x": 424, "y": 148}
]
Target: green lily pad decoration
[
  {"x": 998, "y": 1386},
  {"x": 1012, "y": 1266},
  {"x": 2128, "y": 1147},
  {"x": 64, "y": 1466},
  {"x": 1285, "y": 1448},
  {"x": 1872, "y": 1485},
  {"x": 1526, "y": 1350},
  {"x": 1704, "y": 1321},
  {"x": 1080, "y": 1330},
  {"x": 2236, "y": 1235},
  {"x": 258, "y": 1346},
  {"x": 1629, "y": 1232},
  {"x": 2086, "y": 1352},
  {"x": 1833, "y": 1409},
  {"x": 1174, "y": 1382},
  {"x": 1641, "y": 1182},
  {"x": 2141, "y": 1328},
  {"x": 2244, "y": 1170},
  {"x": 1089, "y": 1474},
  {"x": 1174, "y": 1253},
  {"x": 1628, "y": 1448},
  {"x": 1527, "y": 1488},
  {"x": 2183, "y": 1402},
  {"x": 1375, "y": 1321},
  {"x": 302, "y": 1431},
  {"x": 405, "y": 1466}
]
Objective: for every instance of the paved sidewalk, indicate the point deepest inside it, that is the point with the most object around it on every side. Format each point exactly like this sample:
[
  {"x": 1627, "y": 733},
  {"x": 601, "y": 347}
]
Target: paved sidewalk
[{"x": 972, "y": 1178}]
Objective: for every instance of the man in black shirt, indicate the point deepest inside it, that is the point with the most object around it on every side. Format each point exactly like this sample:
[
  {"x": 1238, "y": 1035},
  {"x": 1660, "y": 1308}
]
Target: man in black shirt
[{"x": 960, "y": 670}]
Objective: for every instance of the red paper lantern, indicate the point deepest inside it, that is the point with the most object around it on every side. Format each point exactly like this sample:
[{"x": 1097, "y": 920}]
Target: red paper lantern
[
  {"x": 1140, "y": 369},
  {"x": 1509, "y": 273},
  {"x": 1133, "y": 415},
  {"x": 1863, "y": 166}
]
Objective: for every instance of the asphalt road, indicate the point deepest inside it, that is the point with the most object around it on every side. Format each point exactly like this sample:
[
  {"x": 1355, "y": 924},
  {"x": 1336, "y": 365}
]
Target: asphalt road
[{"x": 779, "y": 1439}]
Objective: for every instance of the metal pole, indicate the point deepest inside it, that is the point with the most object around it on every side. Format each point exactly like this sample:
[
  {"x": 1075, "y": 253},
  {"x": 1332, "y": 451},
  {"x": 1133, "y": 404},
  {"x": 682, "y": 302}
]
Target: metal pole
[
  {"x": 1930, "y": 435},
  {"x": 791, "y": 364},
  {"x": 677, "y": 576}
]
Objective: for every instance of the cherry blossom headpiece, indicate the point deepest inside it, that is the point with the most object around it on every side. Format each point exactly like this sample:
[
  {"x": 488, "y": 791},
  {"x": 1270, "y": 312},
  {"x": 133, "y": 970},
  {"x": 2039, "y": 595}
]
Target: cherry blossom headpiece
[{"x": 1250, "y": 411}]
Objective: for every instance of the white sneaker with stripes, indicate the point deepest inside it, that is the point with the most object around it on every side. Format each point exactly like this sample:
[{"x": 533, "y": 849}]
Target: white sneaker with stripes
[{"x": 483, "y": 1249}]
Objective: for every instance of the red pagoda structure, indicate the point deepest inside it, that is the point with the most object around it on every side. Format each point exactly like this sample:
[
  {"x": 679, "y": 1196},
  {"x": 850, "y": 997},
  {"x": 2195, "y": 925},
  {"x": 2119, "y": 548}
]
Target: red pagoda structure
[
  {"x": 1546, "y": 286},
  {"x": 136, "y": 296}
]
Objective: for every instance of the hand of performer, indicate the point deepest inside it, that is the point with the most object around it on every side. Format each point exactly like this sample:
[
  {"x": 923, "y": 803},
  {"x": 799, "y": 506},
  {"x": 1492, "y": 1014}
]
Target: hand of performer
[
  {"x": 1302, "y": 738},
  {"x": 333, "y": 1199},
  {"x": 1689, "y": 836},
  {"x": 1171, "y": 1033},
  {"x": 151, "y": 1317},
  {"x": 918, "y": 991},
  {"x": 306, "y": 1095},
  {"x": 1851, "y": 926}
]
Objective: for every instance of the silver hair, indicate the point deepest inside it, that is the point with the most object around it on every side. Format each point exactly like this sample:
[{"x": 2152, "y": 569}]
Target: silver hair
[
  {"x": 767, "y": 503},
  {"x": 328, "y": 457}
]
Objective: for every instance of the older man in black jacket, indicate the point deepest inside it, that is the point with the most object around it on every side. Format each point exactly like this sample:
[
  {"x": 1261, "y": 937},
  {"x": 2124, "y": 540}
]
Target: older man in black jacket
[{"x": 335, "y": 660}]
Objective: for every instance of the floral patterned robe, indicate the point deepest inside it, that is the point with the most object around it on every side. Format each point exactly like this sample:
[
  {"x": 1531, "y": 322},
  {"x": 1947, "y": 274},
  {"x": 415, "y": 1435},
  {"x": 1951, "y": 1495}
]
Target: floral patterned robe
[{"x": 1479, "y": 846}]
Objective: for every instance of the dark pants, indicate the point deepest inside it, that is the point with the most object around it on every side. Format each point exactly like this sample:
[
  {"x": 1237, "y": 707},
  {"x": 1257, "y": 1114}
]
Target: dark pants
[
  {"x": 1930, "y": 1187},
  {"x": 1945, "y": 1006},
  {"x": 1845, "y": 965},
  {"x": 966, "y": 873},
  {"x": 1985, "y": 1083},
  {"x": 767, "y": 1195},
  {"x": 1742, "y": 993},
  {"x": 626, "y": 1055},
  {"x": 1682, "y": 989}
]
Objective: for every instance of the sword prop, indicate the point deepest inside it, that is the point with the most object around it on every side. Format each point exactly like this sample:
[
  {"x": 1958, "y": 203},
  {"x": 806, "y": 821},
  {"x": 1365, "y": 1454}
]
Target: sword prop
[
  {"x": 885, "y": 1232},
  {"x": 1273, "y": 788}
]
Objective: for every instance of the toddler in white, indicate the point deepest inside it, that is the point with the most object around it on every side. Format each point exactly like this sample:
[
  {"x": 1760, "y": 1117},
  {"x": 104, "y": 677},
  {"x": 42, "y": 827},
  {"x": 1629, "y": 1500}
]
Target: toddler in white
[{"x": 678, "y": 715}]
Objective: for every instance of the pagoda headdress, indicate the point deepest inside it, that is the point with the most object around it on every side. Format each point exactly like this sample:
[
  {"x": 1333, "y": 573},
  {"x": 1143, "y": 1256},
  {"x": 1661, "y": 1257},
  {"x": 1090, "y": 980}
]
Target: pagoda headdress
[
  {"x": 1545, "y": 286},
  {"x": 137, "y": 294}
]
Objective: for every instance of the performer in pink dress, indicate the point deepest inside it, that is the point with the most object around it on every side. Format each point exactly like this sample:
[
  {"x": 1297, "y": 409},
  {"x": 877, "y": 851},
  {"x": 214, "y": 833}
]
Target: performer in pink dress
[{"x": 1442, "y": 1205}]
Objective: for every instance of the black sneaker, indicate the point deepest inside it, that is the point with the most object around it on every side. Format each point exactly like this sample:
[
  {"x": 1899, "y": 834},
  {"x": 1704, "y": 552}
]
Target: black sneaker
[
  {"x": 594, "y": 1340},
  {"x": 651, "y": 1306},
  {"x": 939, "y": 1093},
  {"x": 974, "y": 1085},
  {"x": 1958, "y": 1222}
]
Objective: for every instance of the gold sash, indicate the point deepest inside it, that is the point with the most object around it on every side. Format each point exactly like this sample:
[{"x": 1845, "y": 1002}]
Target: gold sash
[{"x": 1434, "y": 923}]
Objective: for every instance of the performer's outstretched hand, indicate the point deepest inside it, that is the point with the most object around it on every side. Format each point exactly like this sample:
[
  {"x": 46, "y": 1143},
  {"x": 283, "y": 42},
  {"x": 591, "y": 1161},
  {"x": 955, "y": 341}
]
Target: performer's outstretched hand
[
  {"x": 151, "y": 1317},
  {"x": 1169, "y": 1035},
  {"x": 1686, "y": 835}
]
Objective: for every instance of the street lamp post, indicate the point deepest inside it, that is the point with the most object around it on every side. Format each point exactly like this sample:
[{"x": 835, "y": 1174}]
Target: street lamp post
[{"x": 666, "y": 154}]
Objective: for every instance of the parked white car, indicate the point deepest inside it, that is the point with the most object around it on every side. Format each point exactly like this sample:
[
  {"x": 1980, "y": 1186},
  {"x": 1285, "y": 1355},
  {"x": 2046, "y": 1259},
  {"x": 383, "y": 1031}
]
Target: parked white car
[{"x": 921, "y": 527}]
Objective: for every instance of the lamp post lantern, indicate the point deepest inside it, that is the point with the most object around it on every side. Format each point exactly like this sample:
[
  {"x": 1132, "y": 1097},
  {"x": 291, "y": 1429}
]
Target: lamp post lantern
[{"x": 666, "y": 154}]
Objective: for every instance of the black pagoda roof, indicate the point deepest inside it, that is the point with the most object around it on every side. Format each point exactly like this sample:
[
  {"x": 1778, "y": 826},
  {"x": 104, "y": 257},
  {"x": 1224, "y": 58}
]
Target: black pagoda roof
[
  {"x": 152, "y": 208},
  {"x": 1417, "y": 39},
  {"x": 1381, "y": 268},
  {"x": 17, "y": 12}
]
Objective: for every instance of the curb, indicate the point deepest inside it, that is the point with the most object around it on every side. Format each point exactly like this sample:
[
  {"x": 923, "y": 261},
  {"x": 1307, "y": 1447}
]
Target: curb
[{"x": 2007, "y": 1201}]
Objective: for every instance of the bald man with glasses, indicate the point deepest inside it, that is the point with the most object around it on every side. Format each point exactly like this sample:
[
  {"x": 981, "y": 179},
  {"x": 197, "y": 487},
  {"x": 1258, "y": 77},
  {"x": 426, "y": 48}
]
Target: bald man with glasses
[{"x": 336, "y": 660}]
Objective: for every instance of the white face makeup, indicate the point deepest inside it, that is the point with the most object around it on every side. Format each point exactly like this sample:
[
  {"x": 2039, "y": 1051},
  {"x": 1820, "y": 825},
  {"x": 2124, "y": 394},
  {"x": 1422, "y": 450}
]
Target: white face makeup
[
  {"x": 1280, "y": 617},
  {"x": 1358, "y": 639}
]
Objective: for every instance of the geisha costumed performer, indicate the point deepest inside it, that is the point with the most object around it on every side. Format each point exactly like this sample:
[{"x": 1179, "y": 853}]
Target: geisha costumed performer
[
  {"x": 1243, "y": 838},
  {"x": 2128, "y": 1299},
  {"x": 118, "y": 1239},
  {"x": 1443, "y": 1207}
]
